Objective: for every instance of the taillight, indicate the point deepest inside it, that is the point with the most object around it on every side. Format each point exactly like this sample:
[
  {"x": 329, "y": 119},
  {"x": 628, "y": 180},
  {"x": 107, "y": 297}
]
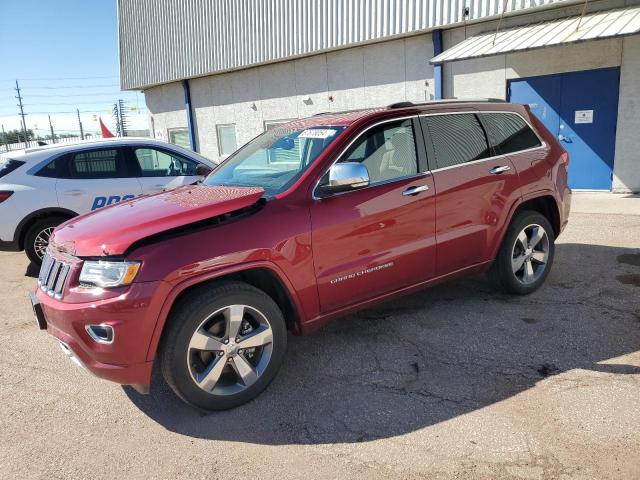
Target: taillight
[
  {"x": 564, "y": 159},
  {"x": 4, "y": 195}
]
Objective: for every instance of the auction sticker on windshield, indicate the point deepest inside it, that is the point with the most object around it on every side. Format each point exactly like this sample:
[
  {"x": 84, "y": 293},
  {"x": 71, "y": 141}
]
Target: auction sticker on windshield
[{"x": 317, "y": 133}]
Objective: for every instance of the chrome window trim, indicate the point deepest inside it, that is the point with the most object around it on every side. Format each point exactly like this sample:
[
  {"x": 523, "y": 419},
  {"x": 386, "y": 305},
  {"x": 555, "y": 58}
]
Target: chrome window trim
[{"x": 543, "y": 144}]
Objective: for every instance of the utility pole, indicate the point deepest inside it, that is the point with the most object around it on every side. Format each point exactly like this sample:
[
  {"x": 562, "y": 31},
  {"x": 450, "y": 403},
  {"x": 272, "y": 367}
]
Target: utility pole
[
  {"x": 123, "y": 117},
  {"x": 5, "y": 139},
  {"x": 22, "y": 114},
  {"x": 116, "y": 118},
  {"x": 53, "y": 137},
  {"x": 80, "y": 123}
]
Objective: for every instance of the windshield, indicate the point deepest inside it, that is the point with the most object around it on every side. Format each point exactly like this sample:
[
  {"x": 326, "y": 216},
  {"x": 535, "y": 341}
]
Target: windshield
[{"x": 275, "y": 159}]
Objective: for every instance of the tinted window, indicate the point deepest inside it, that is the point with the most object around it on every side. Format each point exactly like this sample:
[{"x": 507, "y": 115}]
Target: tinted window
[
  {"x": 56, "y": 168},
  {"x": 509, "y": 132},
  {"x": 388, "y": 151},
  {"x": 8, "y": 166},
  {"x": 457, "y": 138},
  {"x": 158, "y": 163},
  {"x": 98, "y": 164}
]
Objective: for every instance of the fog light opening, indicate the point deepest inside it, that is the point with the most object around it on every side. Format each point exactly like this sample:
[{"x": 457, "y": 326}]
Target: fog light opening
[{"x": 101, "y": 333}]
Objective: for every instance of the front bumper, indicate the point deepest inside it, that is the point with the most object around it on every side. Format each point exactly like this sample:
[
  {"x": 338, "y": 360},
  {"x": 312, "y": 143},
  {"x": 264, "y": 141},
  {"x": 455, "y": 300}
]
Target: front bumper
[{"x": 132, "y": 315}]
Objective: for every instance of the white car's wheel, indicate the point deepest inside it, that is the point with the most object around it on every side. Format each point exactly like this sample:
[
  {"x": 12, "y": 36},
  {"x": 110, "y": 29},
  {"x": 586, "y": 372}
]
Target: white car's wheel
[{"x": 37, "y": 237}]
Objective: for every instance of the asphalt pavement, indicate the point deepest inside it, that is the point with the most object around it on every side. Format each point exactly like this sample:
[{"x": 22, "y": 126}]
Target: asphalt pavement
[{"x": 458, "y": 381}]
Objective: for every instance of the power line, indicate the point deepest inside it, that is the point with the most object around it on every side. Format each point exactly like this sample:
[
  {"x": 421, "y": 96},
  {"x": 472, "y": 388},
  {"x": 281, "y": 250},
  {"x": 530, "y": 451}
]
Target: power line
[
  {"x": 60, "y": 78},
  {"x": 49, "y": 87},
  {"x": 64, "y": 112},
  {"x": 104, "y": 102},
  {"x": 74, "y": 94}
]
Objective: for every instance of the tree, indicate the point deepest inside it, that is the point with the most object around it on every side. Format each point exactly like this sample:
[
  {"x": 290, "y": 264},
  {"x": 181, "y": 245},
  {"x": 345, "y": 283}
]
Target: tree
[{"x": 15, "y": 136}]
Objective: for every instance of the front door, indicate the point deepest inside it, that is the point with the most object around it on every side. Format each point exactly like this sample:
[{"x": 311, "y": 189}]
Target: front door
[
  {"x": 380, "y": 238},
  {"x": 581, "y": 108},
  {"x": 162, "y": 170}
]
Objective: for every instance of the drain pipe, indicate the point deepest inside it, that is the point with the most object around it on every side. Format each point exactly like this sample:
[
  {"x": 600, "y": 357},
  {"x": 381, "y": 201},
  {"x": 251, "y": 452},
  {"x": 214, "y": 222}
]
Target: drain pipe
[
  {"x": 189, "y": 110},
  {"x": 437, "y": 69}
]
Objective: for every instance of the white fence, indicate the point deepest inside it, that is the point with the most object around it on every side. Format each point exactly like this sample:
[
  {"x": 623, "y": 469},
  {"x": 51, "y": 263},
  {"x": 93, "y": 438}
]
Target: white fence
[{"x": 35, "y": 143}]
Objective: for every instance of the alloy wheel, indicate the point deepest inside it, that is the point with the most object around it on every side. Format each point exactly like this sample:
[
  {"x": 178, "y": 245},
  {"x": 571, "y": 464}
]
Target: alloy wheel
[
  {"x": 230, "y": 350},
  {"x": 530, "y": 254},
  {"x": 41, "y": 241}
]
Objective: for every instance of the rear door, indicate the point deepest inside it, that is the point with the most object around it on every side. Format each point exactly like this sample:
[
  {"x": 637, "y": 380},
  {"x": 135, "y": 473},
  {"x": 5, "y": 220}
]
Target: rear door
[
  {"x": 91, "y": 179},
  {"x": 511, "y": 135},
  {"x": 473, "y": 186},
  {"x": 380, "y": 238},
  {"x": 161, "y": 169}
]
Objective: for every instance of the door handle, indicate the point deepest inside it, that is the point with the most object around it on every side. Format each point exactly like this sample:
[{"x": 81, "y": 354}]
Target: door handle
[
  {"x": 499, "y": 170},
  {"x": 75, "y": 192},
  {"x": 415, "y": 190}
]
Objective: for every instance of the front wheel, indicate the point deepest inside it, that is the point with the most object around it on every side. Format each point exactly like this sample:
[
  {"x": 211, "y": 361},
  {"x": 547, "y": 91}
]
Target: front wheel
[
  {"x": 223, "y": 346},
  {"x": 526, "y": 254}
]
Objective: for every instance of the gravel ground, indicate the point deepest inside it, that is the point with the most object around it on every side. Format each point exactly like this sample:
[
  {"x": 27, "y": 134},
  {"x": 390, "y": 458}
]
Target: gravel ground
[{"x": 454, "y": 382}]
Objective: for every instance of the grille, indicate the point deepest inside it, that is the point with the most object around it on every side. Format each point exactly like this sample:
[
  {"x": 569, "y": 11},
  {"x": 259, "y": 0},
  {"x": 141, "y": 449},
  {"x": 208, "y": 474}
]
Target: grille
[{"x": 53, "y": 274}]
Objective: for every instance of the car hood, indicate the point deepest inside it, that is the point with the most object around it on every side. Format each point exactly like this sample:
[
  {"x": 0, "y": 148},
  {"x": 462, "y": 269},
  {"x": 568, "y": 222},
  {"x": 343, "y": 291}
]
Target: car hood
[{"x": 112, "y": 230}]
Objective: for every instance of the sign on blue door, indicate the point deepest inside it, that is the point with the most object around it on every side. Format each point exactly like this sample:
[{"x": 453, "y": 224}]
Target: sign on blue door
[{"x": 581, "y": 109}]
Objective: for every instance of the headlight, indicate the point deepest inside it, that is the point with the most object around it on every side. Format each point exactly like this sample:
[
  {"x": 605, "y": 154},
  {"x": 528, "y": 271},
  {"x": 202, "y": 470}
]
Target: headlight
[{"x": 108, "y": 274}]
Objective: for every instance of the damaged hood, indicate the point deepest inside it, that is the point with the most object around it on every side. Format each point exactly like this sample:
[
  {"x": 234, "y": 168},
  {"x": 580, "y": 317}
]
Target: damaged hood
[{"x": 112, "y": 230}]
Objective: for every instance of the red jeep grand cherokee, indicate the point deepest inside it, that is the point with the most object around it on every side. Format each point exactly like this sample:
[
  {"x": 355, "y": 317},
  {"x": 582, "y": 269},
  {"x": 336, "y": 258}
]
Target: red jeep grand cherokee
[{"x": 310, "y": 221}]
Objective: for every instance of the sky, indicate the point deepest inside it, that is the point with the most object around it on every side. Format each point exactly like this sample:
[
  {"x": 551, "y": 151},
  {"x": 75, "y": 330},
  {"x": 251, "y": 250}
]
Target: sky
[{"x": 64, "y": 54}]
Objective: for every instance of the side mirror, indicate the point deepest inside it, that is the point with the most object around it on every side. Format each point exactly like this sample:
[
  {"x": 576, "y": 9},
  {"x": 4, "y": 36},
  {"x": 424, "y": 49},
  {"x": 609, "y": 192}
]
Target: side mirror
[
  {"x": 344, "y": 177},
  {"x": 203, "y": 170}
]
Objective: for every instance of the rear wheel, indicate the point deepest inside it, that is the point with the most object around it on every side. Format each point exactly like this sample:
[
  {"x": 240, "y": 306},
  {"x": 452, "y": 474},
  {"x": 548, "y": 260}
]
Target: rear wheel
[
  {"x": 223, "y": 346},
  {"x": 37, "y": 237},
  {"x": 526, "y": 254}
]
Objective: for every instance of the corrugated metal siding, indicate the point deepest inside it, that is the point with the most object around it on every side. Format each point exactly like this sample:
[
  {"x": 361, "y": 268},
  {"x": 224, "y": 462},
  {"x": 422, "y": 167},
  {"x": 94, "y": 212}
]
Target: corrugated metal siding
[
  {"x": 168, "y": 40},
  {"x": 594, "y": 26}
]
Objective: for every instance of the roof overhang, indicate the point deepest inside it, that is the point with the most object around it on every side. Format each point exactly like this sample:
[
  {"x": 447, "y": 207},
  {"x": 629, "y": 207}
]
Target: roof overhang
[{"x": 593, "y": 26}]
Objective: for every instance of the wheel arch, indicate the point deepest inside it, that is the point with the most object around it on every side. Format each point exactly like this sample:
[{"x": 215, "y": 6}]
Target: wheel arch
[
  {"x": 544, "y": 203},
  {"x": 29, "y": 220},
  {"x": 261, "y": 276}
]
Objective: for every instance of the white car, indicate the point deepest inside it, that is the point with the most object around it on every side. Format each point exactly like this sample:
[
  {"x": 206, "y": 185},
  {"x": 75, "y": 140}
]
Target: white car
[{"x": 42, "y": 187}]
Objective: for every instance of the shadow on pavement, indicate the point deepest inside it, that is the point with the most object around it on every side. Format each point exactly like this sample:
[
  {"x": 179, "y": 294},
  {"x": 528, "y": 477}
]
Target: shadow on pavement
[
  {"x": 32, "y": 270},
  {"x": 432, "y": 356}
]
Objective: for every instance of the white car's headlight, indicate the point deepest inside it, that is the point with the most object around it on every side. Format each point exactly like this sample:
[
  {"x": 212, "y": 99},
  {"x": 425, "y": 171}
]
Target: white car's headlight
[{"x": 108, "y": 274}]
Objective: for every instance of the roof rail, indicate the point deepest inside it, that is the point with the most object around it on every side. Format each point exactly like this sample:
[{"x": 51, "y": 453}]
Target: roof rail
[
  {"x": 401, "y": 105},
  {"x": 447, "y": 100}
]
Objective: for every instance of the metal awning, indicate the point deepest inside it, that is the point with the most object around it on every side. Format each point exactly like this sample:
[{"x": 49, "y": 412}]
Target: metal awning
[{"x": 592, "y": 26}]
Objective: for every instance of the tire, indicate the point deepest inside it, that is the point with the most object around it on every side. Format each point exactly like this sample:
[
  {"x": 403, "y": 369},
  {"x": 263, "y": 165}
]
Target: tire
[
  {"x": 33, "y": 246},
  {"x": 201, "y": 369},
  {"x": 506, "y": 271}
]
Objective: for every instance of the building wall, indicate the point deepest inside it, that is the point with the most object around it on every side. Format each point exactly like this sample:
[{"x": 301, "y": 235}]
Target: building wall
[
  {"x": 169, "y": 40},
  {"x": 487, "y": 77},
  {"x": 626, "y": 173},
  {"x": 368, "y": 76},
  {"x": 396, "y": 70}
]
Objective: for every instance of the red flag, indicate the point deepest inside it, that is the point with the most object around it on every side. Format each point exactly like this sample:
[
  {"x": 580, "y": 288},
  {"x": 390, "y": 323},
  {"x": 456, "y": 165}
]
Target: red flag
[{"x": 104, "y": 130}]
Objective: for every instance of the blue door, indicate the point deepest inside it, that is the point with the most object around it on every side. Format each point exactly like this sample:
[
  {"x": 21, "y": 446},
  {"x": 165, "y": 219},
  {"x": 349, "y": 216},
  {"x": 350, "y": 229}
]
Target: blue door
[{"x": 581, "y": 108}]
